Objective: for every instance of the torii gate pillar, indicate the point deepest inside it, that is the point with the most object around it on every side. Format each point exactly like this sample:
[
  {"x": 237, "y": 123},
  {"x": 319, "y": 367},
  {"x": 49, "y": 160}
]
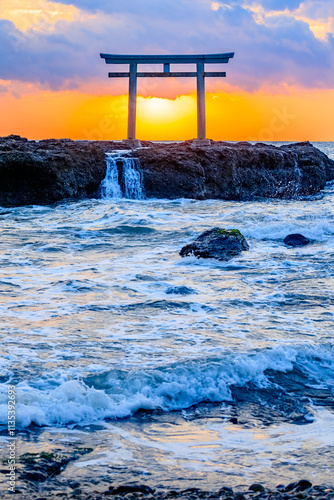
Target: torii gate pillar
[
  {"x": 166, "y": 60},
  {"x": 201, "y": 126},
  {"x": 132, "y": 113}
]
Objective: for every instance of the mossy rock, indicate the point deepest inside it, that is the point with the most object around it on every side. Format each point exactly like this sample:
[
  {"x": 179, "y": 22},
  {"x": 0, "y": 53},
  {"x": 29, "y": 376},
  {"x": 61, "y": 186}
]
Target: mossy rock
[
  {"x": 39, "y": 467},
  {"x": 217, "y": 243},
  {"x": 230, "y": 232}
]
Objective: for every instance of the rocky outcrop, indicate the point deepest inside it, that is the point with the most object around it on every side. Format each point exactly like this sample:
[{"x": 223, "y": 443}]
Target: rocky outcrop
[
  {"x": 234, "y": 171},
  {"x": 48, "y": 171},
  {"x": 43, "y": 172},
  {"x": 217, "y": 243}
]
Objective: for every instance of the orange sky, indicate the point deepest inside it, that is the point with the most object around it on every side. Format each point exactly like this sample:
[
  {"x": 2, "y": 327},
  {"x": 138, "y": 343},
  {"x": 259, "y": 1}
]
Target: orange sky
[{"x": 293, "y": 116}]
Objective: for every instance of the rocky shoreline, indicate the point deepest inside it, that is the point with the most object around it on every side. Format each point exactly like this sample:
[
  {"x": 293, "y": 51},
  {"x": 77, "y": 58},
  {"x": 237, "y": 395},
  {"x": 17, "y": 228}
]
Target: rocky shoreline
[
  {"x": 299, "y": 490},
  {"x": 51, "y": 171},
  {"x": 44, "y": 475}
]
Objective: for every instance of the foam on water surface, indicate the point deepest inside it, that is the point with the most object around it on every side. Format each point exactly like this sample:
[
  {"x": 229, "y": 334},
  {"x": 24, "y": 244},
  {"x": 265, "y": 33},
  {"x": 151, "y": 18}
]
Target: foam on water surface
[{"x": 97, "y": 392}]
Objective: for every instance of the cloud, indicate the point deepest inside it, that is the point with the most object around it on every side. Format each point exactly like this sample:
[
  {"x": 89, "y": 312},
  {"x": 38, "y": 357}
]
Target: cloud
[
  {"x": 278, "y": 51},
  {"x": 280, "y": 5},
  {"x": 170, "y": 9}
]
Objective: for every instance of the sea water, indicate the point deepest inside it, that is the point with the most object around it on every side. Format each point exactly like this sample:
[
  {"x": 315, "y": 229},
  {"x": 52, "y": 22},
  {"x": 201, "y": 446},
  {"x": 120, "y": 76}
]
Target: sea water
[{"x": 177, "y": 372}]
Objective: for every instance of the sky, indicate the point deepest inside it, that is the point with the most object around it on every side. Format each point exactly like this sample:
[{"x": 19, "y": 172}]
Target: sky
[{"x": 279, "y": 85}]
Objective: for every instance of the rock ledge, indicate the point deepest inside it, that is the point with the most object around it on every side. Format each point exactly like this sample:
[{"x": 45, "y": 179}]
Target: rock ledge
[{"x": 48, "y": 171}]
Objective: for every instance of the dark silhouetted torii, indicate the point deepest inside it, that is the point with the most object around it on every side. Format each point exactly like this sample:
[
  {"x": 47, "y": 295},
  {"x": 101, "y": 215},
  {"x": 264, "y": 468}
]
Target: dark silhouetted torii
[{"x": 167, "y": 60}]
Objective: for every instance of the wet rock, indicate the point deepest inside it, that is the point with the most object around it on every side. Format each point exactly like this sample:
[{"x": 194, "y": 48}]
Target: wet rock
[
  {"x": 217, "y": 243},
  {"x": 290, "y": 486},
  {"x": 225, "y": 490},
  {"x": 296, "y": 240},
  {"x": 233, "y": 420},
  {"x": 48, "y": 171},
  {"x": 303, "y": 485},
  {"x": 190, "y": 491},
  {"x": 239, "y": 171},
  {"x": 239, "y": 496},
  {"x": 38, "y": 467},
  {"x": 257, "y": 488},
  {"x": 127, "y": 488}
]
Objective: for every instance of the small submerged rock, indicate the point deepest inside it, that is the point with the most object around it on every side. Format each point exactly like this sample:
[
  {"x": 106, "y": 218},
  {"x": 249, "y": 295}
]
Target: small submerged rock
[
  {"x": 217, "y": 243},
  {"x": 39, "y": 467},
  {"x": 180, "y": 290},
  {"x": 301, "y": 485},
  {"x": 130, "y": 488},
  {"x": 296, "y": 240}
]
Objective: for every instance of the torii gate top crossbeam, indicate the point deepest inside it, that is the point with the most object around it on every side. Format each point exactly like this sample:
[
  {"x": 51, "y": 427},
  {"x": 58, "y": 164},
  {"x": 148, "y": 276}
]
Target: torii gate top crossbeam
[{"x": 166, "y": 60}]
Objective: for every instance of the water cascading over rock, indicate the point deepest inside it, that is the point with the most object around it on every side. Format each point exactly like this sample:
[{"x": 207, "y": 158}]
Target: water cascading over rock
[{"x": 123, "y": 178}]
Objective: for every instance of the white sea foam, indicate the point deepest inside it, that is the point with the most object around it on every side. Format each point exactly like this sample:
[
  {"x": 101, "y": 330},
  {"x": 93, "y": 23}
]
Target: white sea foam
[
  {"x": 168, "y": 388},
  {"x": 314, "y": 230}
]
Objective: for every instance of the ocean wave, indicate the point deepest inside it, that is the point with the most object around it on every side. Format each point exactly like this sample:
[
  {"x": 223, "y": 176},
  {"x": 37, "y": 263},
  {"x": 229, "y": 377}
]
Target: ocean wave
[
  {"x": 315, "y": 231},
  {"x": 119, "y": 393}
]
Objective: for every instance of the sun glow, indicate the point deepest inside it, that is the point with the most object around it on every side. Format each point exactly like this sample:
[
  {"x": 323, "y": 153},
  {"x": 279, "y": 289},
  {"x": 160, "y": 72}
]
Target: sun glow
[
  {"x": 160, "y": 111},
  {"x": 155, "y": 108},
  {"x": 159, "y": 118},
  {"x": 294, "y": 116}
]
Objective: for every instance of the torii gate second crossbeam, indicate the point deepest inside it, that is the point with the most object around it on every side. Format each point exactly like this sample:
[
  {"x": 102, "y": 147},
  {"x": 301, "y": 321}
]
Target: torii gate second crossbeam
[{"x": 167, "y": 60}]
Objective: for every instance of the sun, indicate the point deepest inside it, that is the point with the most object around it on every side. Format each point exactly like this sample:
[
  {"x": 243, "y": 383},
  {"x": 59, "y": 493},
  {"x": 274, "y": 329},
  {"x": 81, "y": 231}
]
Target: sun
[
  {"x": 168, "y": 118},
  {"x": 155, "y": 110}
]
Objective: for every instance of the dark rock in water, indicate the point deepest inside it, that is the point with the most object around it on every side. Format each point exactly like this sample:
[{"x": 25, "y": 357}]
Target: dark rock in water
[
  {"x": 180, "y": 290},
  {"x": 44, "y": 172},
  {"x": 290, "y": 486},
  {"x": 239, "y": 496},
  {"x": 124, "y": 489},
  {"x": 225, "y": 490},
  {"x": 234, "y": 420},
  {"x": 190, "y": 490},
  {"x": 257, "y": 488},
  {"x": 303, "y": 485},
  {"x": 217, "y": 243},
  {"x": 38, "y": 467},
  {"x": 296, "y": 240}
]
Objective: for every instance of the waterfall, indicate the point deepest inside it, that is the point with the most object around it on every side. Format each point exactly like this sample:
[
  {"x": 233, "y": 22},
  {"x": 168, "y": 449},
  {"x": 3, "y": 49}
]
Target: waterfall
[
  {"x": 296, "y": 183},
  {"x": 123, "y": 178}
]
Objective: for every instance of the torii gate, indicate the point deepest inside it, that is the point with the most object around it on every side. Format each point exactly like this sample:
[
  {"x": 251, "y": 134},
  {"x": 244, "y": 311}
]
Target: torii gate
[{"x": 167, "y": 60}]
